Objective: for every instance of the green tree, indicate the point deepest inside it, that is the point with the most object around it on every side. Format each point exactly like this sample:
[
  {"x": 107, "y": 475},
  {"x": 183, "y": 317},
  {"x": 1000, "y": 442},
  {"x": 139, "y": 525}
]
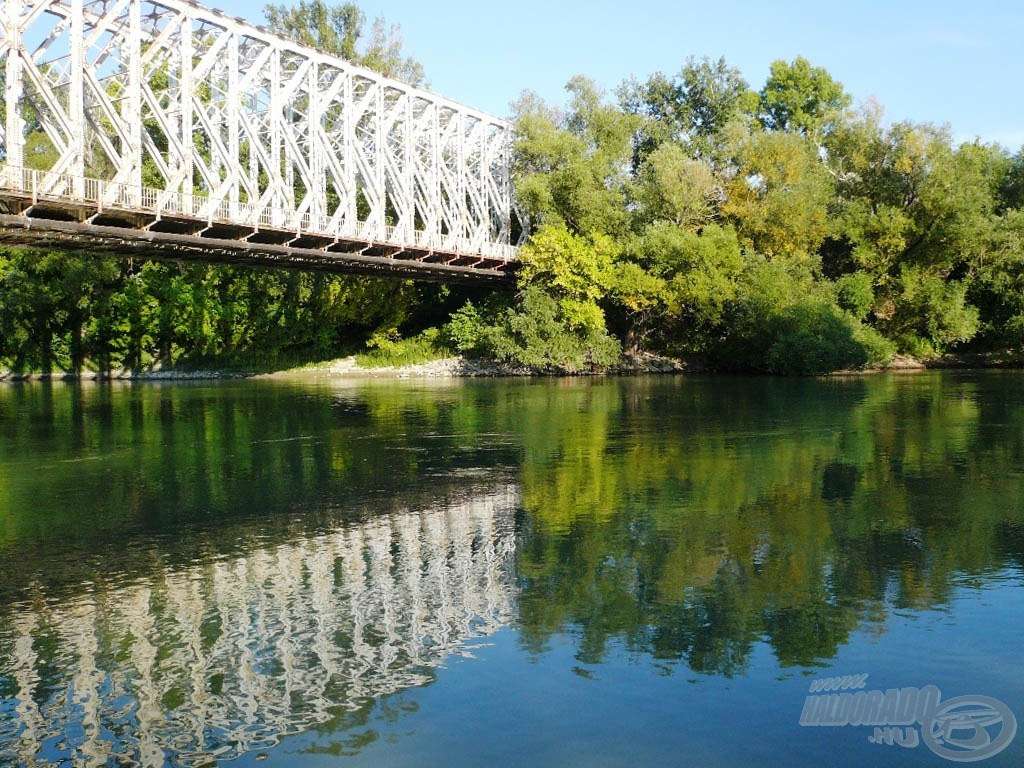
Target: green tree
[
  {"x": 699, "y": 272},
  {"x": 1011, "y": 188},
  {"x": 136, "y": 309},
  {"x": 48, "y": 301},
  {"x": 560, "y": 324},
  {"x": 801, "y": 98},
  {"x": 573, "y": 167},
  {"x": 780, "y": 195},
  {"x": 931, "y": 313},
  {"x": 998, "y": 290},
  {"x": 639, "y": 297},
  {"x": 919, "y": 215},
  {"x": 785, "y": 321},
  {"x": 694, "y": 108},
  {"x": 340, "y": 30},
  {"x": 575, "y": 270},
  {"x": 674, "y": 187}
]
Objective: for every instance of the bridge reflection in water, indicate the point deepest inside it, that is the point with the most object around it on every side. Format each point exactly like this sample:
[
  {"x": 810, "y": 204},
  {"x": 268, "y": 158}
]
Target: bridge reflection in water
[{"x": 216, "y": 659}]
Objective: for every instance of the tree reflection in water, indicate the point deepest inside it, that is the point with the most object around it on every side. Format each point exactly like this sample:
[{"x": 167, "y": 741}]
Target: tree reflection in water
[
  {"x": 690, "y": 520},
  {"x": 226, "y": 565}
]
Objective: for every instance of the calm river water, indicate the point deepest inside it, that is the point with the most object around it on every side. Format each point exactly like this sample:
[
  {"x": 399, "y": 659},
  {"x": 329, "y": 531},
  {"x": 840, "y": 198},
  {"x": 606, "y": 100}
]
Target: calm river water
[{"x": 621, "y": 572}]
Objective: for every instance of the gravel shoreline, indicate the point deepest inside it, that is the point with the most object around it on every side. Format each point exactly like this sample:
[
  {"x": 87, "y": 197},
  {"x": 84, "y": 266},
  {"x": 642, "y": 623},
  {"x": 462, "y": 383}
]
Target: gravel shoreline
[
  {"x": 346, "y": 367},
  {"x": 458, "y": 367}
]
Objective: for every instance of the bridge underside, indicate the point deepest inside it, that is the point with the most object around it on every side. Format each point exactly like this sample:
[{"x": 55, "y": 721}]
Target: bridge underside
[{"x": 123, "y": 233}]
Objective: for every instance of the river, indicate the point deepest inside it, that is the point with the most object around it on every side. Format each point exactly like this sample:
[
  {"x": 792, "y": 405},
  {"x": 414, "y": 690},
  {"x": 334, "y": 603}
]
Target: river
[{"x": 660, "y": 571}]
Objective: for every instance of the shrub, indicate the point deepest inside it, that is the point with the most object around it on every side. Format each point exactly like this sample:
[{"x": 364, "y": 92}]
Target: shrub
[
  {"x": 387, "y": 349},
  {"x": 538, "y": 336},
  {"x": 782, "y": 322},
  {"x": 465, "y": 332},
  {"x": 855, "y": 294}
]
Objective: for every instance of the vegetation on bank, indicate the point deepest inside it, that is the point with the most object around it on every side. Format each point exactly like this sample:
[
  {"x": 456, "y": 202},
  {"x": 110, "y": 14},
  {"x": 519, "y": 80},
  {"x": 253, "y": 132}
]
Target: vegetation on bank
[{"x": 778, "y": 230}]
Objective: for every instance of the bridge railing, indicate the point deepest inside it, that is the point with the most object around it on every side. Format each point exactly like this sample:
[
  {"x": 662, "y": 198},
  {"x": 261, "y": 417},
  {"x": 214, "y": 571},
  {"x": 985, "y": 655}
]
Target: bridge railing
[{"x": 105, "y": 196}]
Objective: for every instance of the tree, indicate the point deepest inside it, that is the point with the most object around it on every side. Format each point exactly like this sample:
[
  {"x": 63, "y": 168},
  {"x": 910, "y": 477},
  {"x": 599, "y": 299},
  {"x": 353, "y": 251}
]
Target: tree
[
  {"x": 920, "y": 216},
  {"x": 784, "y": 321},
  {"x": 801, "y": 98},
  {"x": 384, "y": 54},
  {"x": 334, "y": 29},
  {"x": 573, "y": 168},
  {"x": 1011, "y": 189},
  {"x": 674, "y": 187},
  {"x": 560, "y": 324},
  {"x": 640, "y": 297},
  {"x": 779, "y": 197},
  {"x": 575, "y": 270},
  {"x": 700, "y": 270},
  {"x": 713, "y": 92},
  {"x": 692, "y": 109},
  {"x": 999, "y": 290},
  {"x": 931, "y": 313},
  {"x": 339, "y": 30}
]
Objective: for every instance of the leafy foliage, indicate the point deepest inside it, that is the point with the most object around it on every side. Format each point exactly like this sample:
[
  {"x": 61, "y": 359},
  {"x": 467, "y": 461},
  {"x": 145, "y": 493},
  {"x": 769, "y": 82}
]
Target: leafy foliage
[
  {"x": 783, "y": 321},
  {"x": 774, "y": 230},
  {"x": 558, "y": 324},
  {"x": 339, "y": 29},
  {"x": 779, "y": 197},
  {"x": 779, "y": 231},
  {"x": 539, "y": 336},
  {"x": 388, "y": 349},
  {"x": 801, "y": 98},
  {"x": 694, "y": 109},
  {"x": 572, "y": 168}
]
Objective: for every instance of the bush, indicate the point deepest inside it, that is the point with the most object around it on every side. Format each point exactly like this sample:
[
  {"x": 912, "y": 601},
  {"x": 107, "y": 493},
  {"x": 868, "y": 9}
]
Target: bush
[
  {"x": 782, "y": 322},
  {"x": 933, "y": 312},
  {"x": 879, "y": 350},
  {"x": 855, "y": 294},
  {"x": 465, "y": 332},
  {"x": 539, "y": 337},
  {"x": 915, "y": 346},
  {"x": 812, "y": 338},
  {"x": 816, "y": 337},
  {"x": 388, "y": 349},
  {"x": 1013, "y": 331}
]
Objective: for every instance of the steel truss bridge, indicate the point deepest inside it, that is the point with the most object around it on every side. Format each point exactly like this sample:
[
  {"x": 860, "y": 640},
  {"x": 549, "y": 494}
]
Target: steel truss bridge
[{"x": 162, "y": 128}]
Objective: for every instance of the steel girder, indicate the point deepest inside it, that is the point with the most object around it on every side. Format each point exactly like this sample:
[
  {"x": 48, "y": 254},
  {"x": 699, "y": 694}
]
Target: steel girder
[{"x": 168, "y": 110}]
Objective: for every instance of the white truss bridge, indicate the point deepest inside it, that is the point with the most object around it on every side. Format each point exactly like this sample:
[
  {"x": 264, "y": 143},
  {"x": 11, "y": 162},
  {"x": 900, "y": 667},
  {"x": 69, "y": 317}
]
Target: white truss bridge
[{"x": 162, "y": 128}]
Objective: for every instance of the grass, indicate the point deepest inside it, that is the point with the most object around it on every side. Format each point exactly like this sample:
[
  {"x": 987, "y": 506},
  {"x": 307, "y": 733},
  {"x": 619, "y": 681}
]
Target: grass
[{"x": 387, "y": 351}]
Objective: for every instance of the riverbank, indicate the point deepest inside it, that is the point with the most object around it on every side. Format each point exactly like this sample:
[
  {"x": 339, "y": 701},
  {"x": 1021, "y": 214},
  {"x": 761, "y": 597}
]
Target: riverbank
[
  {"x": 348, "y": 367},
  {"x": 459, "y": 367}
]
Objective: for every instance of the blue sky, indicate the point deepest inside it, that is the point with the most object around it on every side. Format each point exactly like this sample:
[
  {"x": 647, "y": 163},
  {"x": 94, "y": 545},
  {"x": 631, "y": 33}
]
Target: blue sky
[{"x": 943, "y": 62}]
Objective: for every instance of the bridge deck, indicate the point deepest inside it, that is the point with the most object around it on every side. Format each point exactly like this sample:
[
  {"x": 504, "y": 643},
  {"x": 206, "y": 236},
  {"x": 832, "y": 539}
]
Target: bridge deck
[{"x": 33, "y": 215}]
